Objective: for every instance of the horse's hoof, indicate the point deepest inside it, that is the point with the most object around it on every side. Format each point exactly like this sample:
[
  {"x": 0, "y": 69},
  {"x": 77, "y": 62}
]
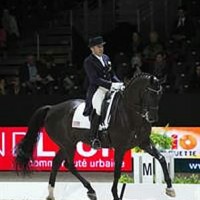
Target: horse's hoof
[
  {"x": 170, "y": 192},
  {"x": 50, "y": 198},
  {"x": 92, "y": 196}
]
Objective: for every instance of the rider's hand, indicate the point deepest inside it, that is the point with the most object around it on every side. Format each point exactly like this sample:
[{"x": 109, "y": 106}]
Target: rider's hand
[{"x": 117, "y": 86}]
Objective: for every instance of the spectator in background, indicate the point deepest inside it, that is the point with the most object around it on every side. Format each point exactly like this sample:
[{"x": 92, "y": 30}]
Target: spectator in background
[
  {"x": 184, "y": 28},
  {"x": 3, "y": 41},
  {"x": 44, "y": 71},
  {"x": 9, "y": 23},
  {"x": 29, "y": 76},
  {"x": 13, "y": 86},
  {"x": 150, "y": 51},
  {"x": 136, "y": 63},
  {"x": 2, "y": 86},
  {"x": 137, "y": 44},
  {"x": 160, "y": 67},
  {"x": 68, "y": 84},
  {"x": 53, "y": 72},
  {"x": 153, "y": 47}
]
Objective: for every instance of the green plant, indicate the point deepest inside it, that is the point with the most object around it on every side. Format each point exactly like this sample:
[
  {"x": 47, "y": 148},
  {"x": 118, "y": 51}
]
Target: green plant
[
  {"x": 192, "y": 179},
  {"x": 161, "y": 141},
  {"x": 180, "y": 179},
  {"x": 125, "y": 178}
]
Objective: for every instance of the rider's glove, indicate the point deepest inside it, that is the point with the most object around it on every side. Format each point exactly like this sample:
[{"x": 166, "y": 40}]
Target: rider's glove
[{"x": 117, "y": 86}]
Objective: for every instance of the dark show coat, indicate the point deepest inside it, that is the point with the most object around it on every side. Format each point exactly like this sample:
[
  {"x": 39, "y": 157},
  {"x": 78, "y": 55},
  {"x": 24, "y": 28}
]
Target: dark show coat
[{"x": 98, "y": 75}]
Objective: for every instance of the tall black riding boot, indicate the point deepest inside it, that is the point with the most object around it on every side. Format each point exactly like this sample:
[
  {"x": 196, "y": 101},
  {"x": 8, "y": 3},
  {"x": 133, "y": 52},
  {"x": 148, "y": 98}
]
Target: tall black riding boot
[{"x": 95, "y": 142}]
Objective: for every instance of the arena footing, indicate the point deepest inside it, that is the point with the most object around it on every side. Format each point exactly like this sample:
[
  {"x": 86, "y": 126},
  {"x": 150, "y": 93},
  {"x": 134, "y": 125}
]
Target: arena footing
[{"x": 75, "y": 191}]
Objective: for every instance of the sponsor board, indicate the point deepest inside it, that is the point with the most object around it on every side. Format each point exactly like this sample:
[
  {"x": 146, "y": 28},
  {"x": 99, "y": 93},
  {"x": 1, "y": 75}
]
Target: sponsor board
[
  {"x": 185, "y": 147},
  {"x": 187, "y": 165},
  {"x": 186, "y": 140},
  {"x": 86, "y": 158}
]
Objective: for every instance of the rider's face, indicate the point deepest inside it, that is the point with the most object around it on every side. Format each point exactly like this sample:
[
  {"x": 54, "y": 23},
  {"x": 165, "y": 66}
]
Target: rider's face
[{"x": 98, "y": 49}]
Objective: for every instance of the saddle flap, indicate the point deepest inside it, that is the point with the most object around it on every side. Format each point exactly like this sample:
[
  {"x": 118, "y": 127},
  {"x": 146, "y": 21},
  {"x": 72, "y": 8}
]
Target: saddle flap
[{"x": 81, "y": 121}]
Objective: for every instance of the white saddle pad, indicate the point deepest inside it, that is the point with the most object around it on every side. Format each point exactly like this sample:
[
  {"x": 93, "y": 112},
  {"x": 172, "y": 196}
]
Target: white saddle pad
[{"x": 79, "y": 120}]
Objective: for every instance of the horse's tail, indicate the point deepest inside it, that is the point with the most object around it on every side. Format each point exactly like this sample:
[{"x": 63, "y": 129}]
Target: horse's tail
[{"x": 25, "y": 148}]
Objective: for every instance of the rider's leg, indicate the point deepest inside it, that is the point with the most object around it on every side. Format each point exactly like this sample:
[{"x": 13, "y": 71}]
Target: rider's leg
[
  {"x": 95, "y": 143},
  {"x": 97, "y": 101}
]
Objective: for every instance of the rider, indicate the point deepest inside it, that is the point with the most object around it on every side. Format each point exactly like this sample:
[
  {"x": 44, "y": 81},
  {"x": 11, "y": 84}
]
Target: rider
[{"x": 101, "y": 79}]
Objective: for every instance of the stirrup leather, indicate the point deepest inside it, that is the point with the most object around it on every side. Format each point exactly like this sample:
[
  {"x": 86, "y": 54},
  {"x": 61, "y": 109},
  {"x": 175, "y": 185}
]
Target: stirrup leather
[{"x": 96, "y": 143}]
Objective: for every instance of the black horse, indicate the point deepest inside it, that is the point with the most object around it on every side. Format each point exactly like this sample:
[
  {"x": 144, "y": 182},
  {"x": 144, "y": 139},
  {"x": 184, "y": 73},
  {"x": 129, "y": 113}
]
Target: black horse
[{"x": 133, "y": 112}]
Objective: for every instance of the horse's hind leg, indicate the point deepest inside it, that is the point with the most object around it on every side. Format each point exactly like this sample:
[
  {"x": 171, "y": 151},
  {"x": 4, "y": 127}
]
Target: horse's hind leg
[
  {"x": 69, "y": 164},
  {"x": 151, "y": 149},
  {"x": 60, "y": 155}
]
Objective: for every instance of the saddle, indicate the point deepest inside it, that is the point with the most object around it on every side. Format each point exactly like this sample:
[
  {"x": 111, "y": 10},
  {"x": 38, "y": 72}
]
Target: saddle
[{"x": 81, "y": 121}]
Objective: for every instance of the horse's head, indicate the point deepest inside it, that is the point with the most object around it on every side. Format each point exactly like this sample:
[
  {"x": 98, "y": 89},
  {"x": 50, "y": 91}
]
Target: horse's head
[
  {"x": 143, "y": 94},
  {"x": 150, "y": 97}
]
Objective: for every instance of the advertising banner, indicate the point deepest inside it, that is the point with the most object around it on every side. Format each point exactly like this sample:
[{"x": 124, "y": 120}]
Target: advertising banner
[
  {"x": 185, "y": 147},
  {"x": 186, "y": 140},
  {"x": 86, "y": 159}
]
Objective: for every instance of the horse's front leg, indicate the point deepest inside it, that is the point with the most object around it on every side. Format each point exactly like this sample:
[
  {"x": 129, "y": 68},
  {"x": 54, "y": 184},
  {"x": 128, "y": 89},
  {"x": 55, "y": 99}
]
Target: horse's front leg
[
  {"x": 151, "y": 149},
  {"x": 119, "y": 154}
]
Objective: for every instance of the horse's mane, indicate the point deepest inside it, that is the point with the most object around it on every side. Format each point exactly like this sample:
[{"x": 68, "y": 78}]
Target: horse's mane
[{"x": 138, "y": 76}]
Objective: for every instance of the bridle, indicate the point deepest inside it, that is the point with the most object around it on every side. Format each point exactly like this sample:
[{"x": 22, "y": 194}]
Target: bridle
[
  {"x": 146, "y": 108},
  {"x": 143, "y": 109},
  {"x": 158, "y": 92}
]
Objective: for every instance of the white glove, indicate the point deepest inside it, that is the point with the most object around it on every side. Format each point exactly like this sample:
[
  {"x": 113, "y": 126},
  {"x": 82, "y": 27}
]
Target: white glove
[{"x": 117, "y": 86}]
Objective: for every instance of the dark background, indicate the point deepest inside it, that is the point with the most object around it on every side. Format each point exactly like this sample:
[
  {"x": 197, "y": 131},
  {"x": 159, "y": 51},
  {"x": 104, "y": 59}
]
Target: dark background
[{"x": 175, "y": 109}]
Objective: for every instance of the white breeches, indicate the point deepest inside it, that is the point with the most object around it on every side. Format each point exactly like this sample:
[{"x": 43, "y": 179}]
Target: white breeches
[{"x": 98, "y": 98}]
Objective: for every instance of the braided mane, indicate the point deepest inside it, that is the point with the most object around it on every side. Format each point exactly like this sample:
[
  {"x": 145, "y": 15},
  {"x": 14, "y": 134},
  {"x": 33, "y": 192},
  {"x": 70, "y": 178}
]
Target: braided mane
[{"x": 139, "y": 76}]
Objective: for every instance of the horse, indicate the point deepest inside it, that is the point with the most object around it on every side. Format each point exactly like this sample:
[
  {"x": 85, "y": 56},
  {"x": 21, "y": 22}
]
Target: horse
[{"x": 133, "y": 112}]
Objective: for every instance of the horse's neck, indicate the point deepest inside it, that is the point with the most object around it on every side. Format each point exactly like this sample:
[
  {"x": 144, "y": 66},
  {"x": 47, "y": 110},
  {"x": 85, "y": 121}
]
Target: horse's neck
[
  {"x": 131, "y": 96},
  {"x": 131, "y": 105},
  {"x": 121, "y": 114}
]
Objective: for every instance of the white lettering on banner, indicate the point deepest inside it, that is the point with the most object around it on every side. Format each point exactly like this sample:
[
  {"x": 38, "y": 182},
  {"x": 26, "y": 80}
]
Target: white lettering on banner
[
  {"x": 40, "y": 150},
  {"x": 14, "y": 136},
  {"x": 41, "y": 163},
  {"x": 81, "y": 163},
  {"x": 105, "y": 152},
  {"x": 91, "y": 152},
  {"x": 102, "y": 164},
  {"x": 2, "y": 150},
  {"x": 84, "y": 153},
  {"x": 183, "y": 153}
]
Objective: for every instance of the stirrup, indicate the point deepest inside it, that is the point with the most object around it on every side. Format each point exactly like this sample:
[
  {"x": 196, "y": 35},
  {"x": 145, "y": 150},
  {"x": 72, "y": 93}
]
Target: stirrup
[{"x": 95, "y": 144}]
